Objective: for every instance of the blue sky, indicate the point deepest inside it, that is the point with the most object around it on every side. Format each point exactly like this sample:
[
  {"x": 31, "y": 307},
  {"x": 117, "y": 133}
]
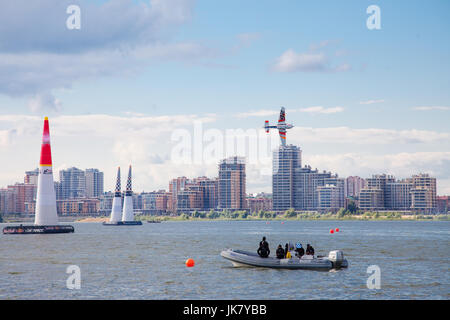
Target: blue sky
[{"x": 222, "y": 58}]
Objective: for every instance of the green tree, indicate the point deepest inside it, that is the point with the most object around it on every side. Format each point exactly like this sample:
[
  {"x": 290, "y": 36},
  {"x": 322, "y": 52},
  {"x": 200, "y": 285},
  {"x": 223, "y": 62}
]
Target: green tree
[
  {"x": 212, "y": 214},
  {"x": 290, "y": 213},
  {"x": 243, "y": 215},
  {"x": 267, "y": 215},
  {"x": 184, "y": 216},
  {"x": 341, "y": 213},
  {"x": 352, "y": 207}
]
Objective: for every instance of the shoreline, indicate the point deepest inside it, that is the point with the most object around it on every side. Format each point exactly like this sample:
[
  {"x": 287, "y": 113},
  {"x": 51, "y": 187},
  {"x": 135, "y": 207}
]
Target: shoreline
[{"x": 444, "y": 217}]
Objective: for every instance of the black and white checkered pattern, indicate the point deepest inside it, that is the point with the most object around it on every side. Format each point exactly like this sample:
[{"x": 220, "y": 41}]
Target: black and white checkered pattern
[
  {"x": 118, "y": 187},
  {"x": 129, "y": 190}
]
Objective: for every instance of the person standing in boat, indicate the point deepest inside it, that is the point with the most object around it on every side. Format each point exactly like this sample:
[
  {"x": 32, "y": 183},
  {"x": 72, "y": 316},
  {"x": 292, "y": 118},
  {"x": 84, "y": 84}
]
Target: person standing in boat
[
  {"x": 309, "y": 250},
  {"x": 300, "y": 252},
  {"x": 263, "y": 249}
]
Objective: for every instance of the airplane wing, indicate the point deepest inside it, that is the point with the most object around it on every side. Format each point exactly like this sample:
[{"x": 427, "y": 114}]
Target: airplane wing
[{"x": 267, "y": 126}]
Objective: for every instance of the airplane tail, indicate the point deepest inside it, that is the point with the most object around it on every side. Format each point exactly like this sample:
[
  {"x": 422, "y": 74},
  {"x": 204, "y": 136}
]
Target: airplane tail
[{"x": 266, "y": 126}]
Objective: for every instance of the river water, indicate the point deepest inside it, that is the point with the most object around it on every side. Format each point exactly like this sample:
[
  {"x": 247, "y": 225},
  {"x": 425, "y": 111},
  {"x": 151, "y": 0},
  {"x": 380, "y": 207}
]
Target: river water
[{"x": 147, "y": 262}]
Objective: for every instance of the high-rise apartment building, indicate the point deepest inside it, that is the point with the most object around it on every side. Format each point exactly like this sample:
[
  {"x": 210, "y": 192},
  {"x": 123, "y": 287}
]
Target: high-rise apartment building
[
  {"x": 373, "y": 196},
  {"x": 309, "y": 180},
  {"x": 31, "y": 177},
  {"x": 353, "y": 186},
  {"x": 330, "y": 197},
  {"x": 18, "y": 197},
  {"x": 443, "y": 204},
  {"x": 209, "y": 189},
  {"x": 94, "y": 183},
  {"x": 190, "y": 194},
  {"x": 231, "y": 184},
  {"x": 297, "y": 187},
  {"x": 398, "y": 195},
  {"x": 73, "y": 183},
  {"x": 423, "y": 194},
  {"x": 175, "y": 185},
  {"x": 8, "y": 201},
  {"x": 190, "y": 198},
  {"x": 383, "y": 192},
  {"x": 371, "y": 199},
  {"x": 286, "y": 165}
]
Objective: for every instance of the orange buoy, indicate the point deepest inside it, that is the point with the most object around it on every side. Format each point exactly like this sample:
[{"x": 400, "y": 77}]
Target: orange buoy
[
  {"x": 190, "y": 263},
  {"x": 282, "y": 222},
  {"x": 337, "y": 230},
  {"x": 331, "y": 231}
]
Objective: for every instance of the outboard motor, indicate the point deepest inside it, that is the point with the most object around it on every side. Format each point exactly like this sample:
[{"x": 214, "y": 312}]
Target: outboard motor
[{"x": 336, "y": 257}]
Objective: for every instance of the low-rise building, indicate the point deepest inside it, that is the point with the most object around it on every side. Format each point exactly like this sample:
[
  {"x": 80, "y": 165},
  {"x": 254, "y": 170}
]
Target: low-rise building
[{"x": 256, "y": 204}]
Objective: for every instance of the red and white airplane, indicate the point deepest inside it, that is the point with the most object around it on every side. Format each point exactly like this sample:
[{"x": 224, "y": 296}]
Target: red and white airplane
[{"x": 282, "y": 126}]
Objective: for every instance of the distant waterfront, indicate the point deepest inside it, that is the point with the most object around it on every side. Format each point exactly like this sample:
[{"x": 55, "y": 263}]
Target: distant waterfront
[{"x": 389, "y": 216}]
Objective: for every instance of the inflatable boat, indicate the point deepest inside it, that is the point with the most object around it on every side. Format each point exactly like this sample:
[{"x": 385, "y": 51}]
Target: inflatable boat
[{"x": 240, "y": 258}]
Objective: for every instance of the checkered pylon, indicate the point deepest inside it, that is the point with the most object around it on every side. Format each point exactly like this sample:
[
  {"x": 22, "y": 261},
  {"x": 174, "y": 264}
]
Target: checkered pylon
[
  {"x": 129, "y": 180},
  {"x": 118, "y": 181}
]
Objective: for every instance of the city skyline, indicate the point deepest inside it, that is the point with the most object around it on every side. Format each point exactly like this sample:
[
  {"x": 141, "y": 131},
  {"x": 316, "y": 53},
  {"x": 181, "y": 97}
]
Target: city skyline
[
  {"x": 294, "y": 187},
  {"x": 354, "y": 95},
  {"x": 28, "y": 179}
]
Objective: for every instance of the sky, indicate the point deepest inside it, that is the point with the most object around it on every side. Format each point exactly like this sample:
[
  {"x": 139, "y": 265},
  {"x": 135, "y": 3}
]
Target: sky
[{"x": 142, "y": 80}]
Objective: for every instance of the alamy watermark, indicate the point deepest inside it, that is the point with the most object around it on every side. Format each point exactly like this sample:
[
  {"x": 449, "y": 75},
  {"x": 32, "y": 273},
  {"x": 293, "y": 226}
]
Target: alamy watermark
[
  {"x": 74, "y": 280},
  {"x": 374, "y": 20},
  {"x": 74, "y": 20},
  {"x": 374, "y": 280},
  {"x": 200, "y": 146}
]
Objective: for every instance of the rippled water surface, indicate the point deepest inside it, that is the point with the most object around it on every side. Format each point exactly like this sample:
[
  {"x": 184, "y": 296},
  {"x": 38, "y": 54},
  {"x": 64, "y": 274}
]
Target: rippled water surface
[{"x": 147, "y": 262}]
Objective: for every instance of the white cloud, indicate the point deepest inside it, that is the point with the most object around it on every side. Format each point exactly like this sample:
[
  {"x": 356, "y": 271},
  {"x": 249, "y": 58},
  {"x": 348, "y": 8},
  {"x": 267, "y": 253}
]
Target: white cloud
[
  {"x": 36, "y": 73},
  {"x": 371, "y": 101},
  {"x": 246, "y": 39},
  {"x": 290, "y": 61},
  {"x": 316, "y": 59},
  {"x": 322, "y": 44},
  {"x": 374, "y": 136},
  {"x": 257, "y": 113},
  {"x": 39, "y": 26},
  {"x": 38, "y": 54},
  {"x": 320, "y": 109},
  {"x": 6, "y": 136},
  {"x": 342, "y": 68},
  {"x": 99, "y": 141},
  {"x": 43, "y": 102},
  {"x": 429, "y": 108},
  {"x": 268, "y": 113}
]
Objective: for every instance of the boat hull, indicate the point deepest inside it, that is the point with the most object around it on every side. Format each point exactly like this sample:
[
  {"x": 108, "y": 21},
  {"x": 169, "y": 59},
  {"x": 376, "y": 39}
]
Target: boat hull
[
  {"x": 248, "y": 259},
  {"x": 38, "y": 229}
]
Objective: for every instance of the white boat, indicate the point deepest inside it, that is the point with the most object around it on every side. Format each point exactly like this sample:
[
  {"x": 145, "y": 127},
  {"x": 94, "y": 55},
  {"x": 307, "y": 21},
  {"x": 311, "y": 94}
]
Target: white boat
[{"x": 240, "y": 258}]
